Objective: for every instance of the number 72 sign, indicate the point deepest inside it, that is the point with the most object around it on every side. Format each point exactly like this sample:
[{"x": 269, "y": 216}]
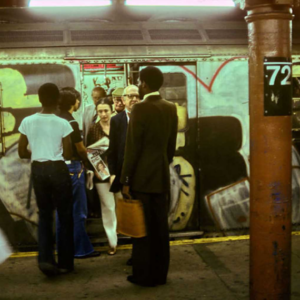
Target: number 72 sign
[{"x": 277, "y": 86}]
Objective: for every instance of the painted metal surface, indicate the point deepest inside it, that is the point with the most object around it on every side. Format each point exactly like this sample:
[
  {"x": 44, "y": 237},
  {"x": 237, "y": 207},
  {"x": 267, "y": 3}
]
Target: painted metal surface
[
  {"x": 270, "y": 160},
  {"x": 212, "y": 165}
]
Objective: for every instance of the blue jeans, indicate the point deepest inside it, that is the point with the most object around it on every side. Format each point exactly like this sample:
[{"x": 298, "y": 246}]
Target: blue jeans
[
  {"x": 53, "y": 191},
  {"x": 82, "y": 244}
]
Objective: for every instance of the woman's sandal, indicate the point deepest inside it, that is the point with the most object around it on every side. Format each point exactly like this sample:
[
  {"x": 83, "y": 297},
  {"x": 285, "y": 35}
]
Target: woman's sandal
[{"x": 112, "y": 251}]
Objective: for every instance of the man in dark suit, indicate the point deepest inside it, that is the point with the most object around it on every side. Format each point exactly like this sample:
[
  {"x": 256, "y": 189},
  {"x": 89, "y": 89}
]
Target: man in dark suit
[
  {"x": 150, "y": 147},
  {"x": 117, "y": 138}
]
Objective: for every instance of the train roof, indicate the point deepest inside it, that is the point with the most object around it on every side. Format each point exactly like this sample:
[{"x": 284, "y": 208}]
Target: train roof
[{"x": 120, "y": 25}]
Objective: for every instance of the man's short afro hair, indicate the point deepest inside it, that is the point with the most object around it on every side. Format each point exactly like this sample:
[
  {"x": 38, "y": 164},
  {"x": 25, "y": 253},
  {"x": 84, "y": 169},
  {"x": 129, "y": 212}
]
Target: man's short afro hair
[
  {"x": 153, "y": 77},
  {"x": 48, "y": 94}
]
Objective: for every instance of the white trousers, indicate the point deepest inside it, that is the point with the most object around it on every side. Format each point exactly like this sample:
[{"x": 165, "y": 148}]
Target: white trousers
[{"x": 109, "y": 218}]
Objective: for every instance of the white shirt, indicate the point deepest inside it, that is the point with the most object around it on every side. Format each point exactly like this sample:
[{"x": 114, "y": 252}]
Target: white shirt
[
  {"x": 45, "y": 133},
  {"x": 151, "y": 94},
  {"x": 127, "y": 116}
]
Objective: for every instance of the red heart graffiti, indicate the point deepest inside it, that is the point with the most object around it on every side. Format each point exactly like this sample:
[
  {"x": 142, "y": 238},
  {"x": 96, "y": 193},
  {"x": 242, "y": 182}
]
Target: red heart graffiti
[{"x": 209, "y": 87}]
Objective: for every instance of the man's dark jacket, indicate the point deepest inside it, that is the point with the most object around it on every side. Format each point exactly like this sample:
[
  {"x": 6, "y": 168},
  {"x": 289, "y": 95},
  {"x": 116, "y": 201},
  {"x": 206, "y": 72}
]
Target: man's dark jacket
[
  {"x": 117, "y": 140},
  {"x": 150, "y": 146}
]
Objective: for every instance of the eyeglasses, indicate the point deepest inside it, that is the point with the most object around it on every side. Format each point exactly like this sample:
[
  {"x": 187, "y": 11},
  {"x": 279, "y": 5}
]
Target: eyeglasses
[{"x": 130, "y": 96}]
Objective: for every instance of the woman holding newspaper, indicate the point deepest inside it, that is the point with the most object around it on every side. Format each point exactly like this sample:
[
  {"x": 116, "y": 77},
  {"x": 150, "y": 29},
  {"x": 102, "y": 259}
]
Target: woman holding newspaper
[{"x": 98, "y": 142}]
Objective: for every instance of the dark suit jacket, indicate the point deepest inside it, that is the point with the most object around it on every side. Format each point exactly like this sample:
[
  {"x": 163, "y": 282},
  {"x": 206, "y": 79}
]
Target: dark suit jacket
[
  {"x": 116, "y": 150},
  {"x": 150, "y": 145}
]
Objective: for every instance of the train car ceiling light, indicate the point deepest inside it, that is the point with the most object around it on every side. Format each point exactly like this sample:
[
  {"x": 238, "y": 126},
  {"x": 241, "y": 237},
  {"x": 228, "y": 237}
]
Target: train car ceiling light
[
  {"x": 180, "y": 3},
  {"x": 69, "y": 3}
]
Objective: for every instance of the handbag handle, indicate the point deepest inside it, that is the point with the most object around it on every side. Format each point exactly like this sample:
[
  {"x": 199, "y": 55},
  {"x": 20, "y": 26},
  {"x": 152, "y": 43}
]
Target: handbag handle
[{"x": 125, "y": 192}]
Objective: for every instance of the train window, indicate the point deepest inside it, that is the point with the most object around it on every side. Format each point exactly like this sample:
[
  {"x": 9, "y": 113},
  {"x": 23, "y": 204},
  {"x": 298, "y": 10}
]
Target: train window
[
  {"x": 174, "y": 88},
  {"x": 107, "y": 76}
]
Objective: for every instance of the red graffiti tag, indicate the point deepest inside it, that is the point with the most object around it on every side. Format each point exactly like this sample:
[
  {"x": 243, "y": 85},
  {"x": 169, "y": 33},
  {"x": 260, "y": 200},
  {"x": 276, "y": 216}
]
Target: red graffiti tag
[{"x": 209, "y": 87}]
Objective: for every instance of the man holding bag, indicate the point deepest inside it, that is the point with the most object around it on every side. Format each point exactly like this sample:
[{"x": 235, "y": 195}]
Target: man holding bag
[{"x": 150, "y": 147}]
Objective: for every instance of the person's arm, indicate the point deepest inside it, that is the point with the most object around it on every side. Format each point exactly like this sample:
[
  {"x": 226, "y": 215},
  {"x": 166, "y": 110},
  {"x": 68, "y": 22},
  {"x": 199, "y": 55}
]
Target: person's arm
[
  {"x": 67, "y": 147},
  {"x": 81, "y": 150},
  {"x": 22, "y": 147},
  {"x": 172, "y": 139}
]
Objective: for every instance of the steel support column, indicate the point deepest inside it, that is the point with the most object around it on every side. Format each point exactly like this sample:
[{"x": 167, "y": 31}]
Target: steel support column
[{"x": 269, "y": 34}]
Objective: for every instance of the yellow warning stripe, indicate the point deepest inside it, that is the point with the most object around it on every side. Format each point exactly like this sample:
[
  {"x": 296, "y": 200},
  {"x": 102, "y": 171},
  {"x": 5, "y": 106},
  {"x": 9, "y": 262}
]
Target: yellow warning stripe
[{"x": 173, "y": 243}]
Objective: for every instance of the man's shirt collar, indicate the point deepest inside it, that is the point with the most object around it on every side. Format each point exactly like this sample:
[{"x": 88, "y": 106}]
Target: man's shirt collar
[{"x": 151, "y": 94}]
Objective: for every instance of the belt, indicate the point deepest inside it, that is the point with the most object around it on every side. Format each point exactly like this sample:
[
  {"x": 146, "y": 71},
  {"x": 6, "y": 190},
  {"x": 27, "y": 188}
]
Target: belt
[
  {"x": 47, "y": 162},
  {"x": 69, "y": 162}
]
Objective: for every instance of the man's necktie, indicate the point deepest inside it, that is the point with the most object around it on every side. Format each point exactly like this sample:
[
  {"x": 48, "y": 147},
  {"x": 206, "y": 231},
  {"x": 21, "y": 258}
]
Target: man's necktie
[{"x": 128, "y": 114}]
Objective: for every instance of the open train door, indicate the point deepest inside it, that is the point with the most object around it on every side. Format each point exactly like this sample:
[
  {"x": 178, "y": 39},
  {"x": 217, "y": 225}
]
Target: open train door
[{"x": 180, "y": 88}]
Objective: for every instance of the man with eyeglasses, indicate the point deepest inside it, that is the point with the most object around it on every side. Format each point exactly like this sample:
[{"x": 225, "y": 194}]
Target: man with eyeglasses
[
  {"x": 117, "y": 138},
  {"x": 117, "y": 99}
]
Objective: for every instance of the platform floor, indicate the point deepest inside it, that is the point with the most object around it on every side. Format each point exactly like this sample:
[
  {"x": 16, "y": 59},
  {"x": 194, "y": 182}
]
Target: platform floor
[{"x": 202, "y": 271}]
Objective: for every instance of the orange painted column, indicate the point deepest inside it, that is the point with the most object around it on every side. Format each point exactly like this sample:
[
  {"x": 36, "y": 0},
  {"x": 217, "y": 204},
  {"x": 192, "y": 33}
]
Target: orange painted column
[{"x": 269, "y": 29}]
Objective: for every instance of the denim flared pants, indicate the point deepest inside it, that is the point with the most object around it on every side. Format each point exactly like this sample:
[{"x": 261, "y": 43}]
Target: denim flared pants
[{"x": 82, "y": 243}]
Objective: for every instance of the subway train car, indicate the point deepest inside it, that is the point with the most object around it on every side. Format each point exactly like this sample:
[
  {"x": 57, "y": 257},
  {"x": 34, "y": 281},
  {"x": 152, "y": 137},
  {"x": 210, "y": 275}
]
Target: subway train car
[{"x": 205, "y": 66}]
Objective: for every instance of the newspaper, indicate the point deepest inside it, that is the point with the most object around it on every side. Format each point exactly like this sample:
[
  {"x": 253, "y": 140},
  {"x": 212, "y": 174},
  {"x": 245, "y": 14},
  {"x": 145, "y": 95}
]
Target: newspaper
[
  {"x": 94, "y": 154},
  {"x": 229, "y": 206}
]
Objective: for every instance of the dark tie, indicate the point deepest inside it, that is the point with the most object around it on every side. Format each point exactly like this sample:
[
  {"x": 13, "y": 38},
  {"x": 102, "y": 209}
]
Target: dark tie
[{"x": 128, "y": 114}]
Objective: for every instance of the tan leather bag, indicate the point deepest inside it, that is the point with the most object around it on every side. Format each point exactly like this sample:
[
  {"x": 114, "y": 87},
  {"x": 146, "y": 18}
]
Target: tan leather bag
[{"x": 131, "y": 218}]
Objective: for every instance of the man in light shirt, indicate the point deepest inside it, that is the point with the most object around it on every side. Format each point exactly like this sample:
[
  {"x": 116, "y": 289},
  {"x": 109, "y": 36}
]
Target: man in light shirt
[{"x": 49, "y": 139}]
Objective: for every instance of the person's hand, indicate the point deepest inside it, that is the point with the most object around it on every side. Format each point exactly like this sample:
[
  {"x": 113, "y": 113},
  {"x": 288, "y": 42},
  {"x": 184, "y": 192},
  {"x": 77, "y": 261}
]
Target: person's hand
[
  {"x": 125, "y": 192},
  {"x": 111, "y": 179}
]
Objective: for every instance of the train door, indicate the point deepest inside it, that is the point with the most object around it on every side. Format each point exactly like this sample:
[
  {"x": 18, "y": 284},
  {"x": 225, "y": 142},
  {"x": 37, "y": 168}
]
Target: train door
[{"x": 180, "y": 88}]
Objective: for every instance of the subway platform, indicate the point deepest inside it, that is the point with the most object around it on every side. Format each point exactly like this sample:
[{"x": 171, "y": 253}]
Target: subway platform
[{"x": 202, "y": 269}]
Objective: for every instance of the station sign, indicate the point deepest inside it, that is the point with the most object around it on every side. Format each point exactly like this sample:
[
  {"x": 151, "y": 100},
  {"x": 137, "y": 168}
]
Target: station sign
[{"x": 277, "y": 86}]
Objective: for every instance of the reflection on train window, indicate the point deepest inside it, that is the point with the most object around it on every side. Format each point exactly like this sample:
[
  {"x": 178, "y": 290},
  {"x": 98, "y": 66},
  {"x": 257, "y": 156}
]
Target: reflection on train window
[{"x": 174, "y": 88}]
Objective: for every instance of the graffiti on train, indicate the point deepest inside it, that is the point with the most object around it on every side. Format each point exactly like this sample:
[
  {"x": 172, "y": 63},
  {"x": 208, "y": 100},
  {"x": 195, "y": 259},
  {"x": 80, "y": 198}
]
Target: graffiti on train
[
  {"x": 210, "y": 172},
  {"x": 18, "y": 209}
]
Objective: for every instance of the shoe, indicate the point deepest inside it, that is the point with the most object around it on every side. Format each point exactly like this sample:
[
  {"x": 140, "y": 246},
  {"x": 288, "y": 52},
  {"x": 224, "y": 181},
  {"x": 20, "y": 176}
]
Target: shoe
[
  {"x": 93, "y": 254},
  {"x": 133, "y": 280},
  {"x": 48, "y": 269},
  {"x": 112, "y": 251},
  {"x": 129, "y": 262}
]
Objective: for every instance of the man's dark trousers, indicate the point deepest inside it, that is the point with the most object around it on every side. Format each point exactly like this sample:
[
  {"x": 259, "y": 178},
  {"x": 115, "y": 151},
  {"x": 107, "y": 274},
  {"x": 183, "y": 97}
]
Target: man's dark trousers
[
  {"x": 151, "y": 254},
  {"x": 53, "y": 189}
]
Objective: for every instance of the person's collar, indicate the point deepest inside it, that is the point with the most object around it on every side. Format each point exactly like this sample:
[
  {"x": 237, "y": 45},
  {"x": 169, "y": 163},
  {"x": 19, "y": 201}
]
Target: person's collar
[{"x": 151, "y": 94}]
